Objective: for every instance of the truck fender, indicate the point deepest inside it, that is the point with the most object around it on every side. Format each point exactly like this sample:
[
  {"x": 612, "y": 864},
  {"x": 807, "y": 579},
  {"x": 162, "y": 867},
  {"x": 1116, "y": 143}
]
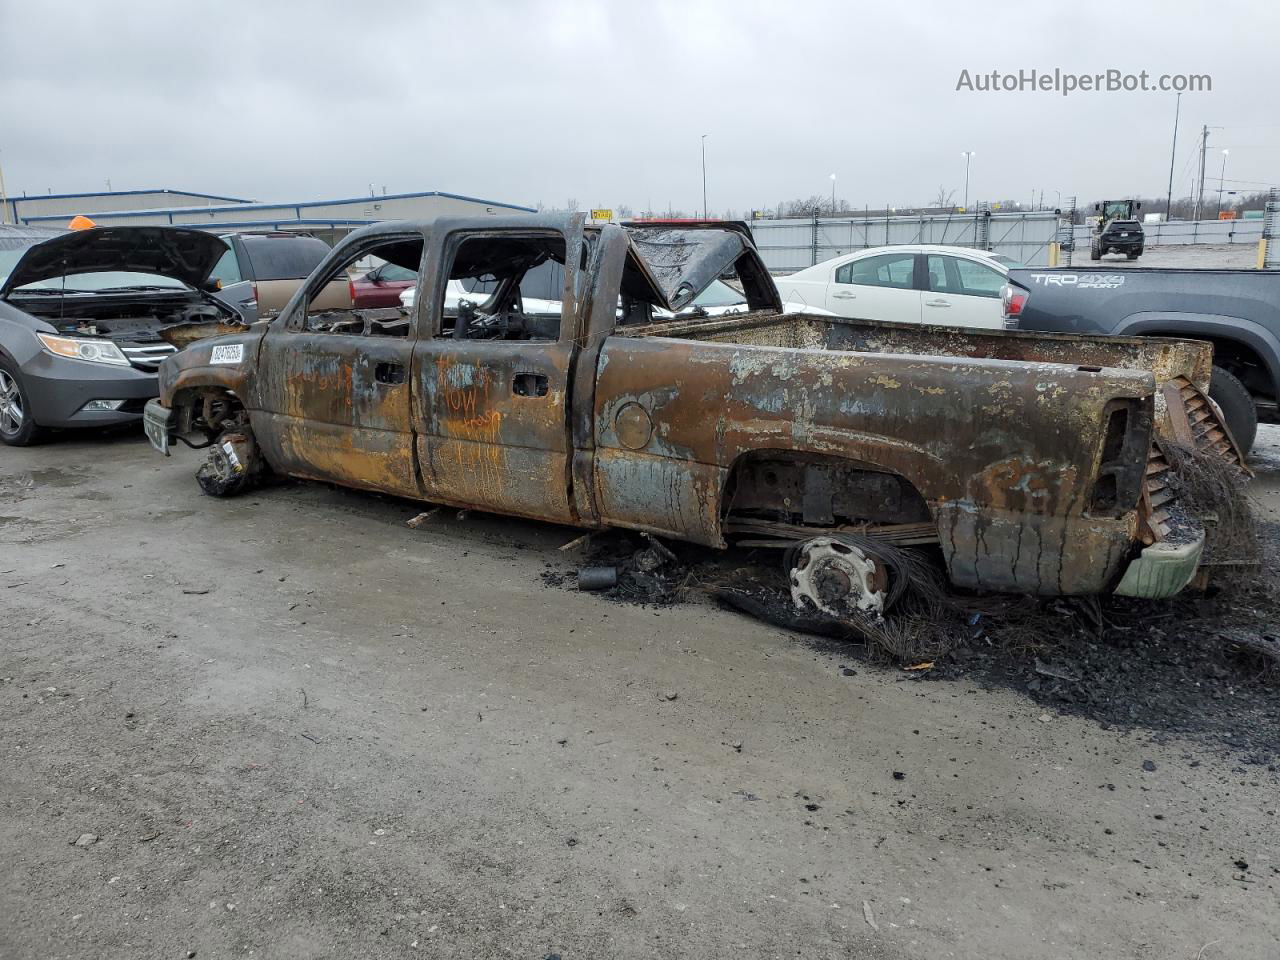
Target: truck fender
[
  {"x": 199, "y": 378},
  {"x": 1209, "y": 326}
]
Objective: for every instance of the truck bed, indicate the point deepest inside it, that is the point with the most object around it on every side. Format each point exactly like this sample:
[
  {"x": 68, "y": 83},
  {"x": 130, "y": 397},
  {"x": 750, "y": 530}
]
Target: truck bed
[{"x": 1166, "y": 359}]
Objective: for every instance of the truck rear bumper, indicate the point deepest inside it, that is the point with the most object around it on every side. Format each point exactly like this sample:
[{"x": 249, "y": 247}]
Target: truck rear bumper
[{"x": 1162, "y": 569}]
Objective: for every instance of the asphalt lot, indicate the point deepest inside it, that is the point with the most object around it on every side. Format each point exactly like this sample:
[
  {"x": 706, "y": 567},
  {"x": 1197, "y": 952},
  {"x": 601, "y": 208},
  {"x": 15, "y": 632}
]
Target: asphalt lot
[
  {"x": 1204, "y": 256},
  {"x": 290, "y": 726}
]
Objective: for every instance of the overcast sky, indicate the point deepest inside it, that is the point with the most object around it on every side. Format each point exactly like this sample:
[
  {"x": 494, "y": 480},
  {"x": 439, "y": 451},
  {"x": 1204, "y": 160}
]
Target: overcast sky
[{"x": 605, "y": 103}]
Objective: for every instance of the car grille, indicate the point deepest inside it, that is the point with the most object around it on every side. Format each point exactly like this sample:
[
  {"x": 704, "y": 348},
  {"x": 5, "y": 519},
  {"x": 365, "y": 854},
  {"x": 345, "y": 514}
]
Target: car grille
[{"x": 148, "y": 357}]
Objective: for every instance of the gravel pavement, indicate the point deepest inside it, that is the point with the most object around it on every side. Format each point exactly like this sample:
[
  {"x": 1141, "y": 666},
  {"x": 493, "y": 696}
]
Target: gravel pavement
[{"x": 290, "y": 726}]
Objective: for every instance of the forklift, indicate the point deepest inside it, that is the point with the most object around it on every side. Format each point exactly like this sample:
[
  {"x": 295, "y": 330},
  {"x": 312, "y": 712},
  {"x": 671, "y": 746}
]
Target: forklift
[{"x": 1117, "y": 229}]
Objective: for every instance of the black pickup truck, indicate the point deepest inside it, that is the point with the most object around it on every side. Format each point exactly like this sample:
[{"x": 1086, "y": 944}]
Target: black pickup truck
[{"x": 1238, "y": 311}]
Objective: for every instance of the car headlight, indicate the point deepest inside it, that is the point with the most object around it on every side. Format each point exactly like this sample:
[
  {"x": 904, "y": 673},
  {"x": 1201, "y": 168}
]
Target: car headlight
[{"x": 95, "y": 351}]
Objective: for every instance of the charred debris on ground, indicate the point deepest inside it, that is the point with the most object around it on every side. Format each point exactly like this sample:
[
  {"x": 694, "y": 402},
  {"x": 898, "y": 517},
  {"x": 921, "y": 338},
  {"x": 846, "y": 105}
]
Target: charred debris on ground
[{"x": 1204, "y": 664}]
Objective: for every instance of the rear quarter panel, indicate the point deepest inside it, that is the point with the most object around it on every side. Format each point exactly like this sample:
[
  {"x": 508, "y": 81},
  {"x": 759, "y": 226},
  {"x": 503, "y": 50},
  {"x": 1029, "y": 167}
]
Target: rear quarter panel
[{"x": 1013, "y": 437}]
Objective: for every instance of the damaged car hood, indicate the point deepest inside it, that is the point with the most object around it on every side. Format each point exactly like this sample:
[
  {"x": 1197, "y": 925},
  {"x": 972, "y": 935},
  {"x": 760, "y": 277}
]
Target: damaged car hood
[
  {"x": 681, "y": 261},
  {"x": 185, "y": 255}
]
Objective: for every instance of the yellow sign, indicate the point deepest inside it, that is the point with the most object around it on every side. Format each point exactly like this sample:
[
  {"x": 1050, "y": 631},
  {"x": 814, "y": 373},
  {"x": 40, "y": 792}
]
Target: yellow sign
[{"x": 601, "y": 214}]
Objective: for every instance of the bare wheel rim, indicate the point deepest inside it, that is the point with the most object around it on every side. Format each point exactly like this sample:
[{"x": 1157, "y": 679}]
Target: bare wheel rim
[{"x": 11, "y": 414}]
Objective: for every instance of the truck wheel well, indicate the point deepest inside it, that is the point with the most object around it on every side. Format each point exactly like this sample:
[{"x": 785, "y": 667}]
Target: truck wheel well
[
  {"x": 207, "y": 412},
  {"x": 804, "y": 489}
]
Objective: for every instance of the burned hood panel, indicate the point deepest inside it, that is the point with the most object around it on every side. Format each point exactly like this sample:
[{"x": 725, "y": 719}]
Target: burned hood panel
[
  {"x": 185, "y": 255},
  {"x": 682, "y": 261}
]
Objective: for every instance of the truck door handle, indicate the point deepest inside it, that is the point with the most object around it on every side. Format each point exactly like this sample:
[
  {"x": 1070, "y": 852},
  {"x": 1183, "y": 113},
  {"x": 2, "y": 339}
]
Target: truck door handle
[
  {"x": 937, "y": 303},
  {"x": 844, "y": 295},
  {"x": 391, "y": 373},
  {"x": 529, "y": 385}
]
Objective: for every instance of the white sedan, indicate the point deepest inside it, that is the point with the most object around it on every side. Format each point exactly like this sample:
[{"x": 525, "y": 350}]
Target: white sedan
[
  {"x": 718, "y": 300},
  {"x": 455, "y": 292},
  {"x": 921, "y": 283}
]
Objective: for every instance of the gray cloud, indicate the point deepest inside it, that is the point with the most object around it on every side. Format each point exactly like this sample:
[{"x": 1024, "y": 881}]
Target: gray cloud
[{"x": 605, "y": 103}]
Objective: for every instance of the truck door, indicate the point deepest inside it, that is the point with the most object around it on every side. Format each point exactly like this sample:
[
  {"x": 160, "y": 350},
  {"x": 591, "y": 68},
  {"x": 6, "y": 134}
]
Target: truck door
[
  {"x": 491, "y": 375},
  {"x": 331, "y": 400}
]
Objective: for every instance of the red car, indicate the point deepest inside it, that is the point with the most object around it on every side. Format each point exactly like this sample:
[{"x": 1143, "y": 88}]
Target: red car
[{"x": 381, "y": 287}]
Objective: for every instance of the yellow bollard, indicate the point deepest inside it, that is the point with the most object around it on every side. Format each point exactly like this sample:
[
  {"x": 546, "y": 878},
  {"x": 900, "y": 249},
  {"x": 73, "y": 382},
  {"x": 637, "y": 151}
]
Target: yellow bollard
[
  {"x": 1262, "y": 253},
  {"x": 1053, "y": 254}
]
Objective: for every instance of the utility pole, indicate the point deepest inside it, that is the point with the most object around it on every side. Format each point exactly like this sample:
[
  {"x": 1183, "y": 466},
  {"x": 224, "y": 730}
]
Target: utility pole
[
  {"x": 1168, "y": 203},
  {"x": 1222, "y": 181},
  {"x": 704, "y": 176},
  {"x": 968, "y": 155},
  {"x": 4, "y": 200},
  {"x": 1204, "y": 149}
]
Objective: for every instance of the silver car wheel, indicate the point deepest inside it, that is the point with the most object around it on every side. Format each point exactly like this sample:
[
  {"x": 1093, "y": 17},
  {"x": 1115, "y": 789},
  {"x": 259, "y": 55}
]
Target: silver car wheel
[{"x": 11, "y": 415}]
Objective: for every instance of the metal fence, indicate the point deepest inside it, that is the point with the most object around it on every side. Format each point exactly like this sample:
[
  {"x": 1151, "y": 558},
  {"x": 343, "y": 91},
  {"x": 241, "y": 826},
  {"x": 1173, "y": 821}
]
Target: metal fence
[
  {"x": 790, "y": 245},
  {"x": 1271, "y": 226},
  {"x": 1183, "y": 232}
]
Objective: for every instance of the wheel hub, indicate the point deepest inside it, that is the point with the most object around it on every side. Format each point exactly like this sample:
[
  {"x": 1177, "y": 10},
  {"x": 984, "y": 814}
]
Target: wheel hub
[
  {"x": 10, "y": 405},
  {"x": 837, "y": 578}
]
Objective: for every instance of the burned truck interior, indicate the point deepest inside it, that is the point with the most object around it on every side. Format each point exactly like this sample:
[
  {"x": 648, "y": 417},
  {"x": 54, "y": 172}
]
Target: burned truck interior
[
  {"x": 501, "y": 264},
  {"x": 322, "y": 315}
]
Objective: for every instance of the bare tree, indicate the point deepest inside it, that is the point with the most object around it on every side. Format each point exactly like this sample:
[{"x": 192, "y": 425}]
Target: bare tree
[
  {"x": 804, "y": 208},
  {"x": 945, "y": 198}
]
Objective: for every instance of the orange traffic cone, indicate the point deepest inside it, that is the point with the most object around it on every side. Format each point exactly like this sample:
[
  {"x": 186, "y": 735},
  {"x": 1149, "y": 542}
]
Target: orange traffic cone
[{"x": 80, "y": 223}]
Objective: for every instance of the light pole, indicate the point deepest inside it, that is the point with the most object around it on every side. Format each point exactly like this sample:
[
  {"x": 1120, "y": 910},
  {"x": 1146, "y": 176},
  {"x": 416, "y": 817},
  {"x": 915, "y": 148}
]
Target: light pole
[
  {"x": 704, "y": 176},
  {"x": 968, "y": 155},
  {"x": 833, "y": 194},
  {"x": 1168, "y": 203},
  {"x": 1222, "y": 180}
]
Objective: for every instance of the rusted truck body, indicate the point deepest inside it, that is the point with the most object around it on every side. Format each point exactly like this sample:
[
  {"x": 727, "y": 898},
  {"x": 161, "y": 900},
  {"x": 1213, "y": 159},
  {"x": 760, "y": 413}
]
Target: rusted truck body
[{"x": 1026, "y": 458}]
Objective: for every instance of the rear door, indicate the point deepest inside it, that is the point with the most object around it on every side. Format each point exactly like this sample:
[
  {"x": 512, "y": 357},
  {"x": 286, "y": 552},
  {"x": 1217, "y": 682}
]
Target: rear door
[
  {"x": 491, "y": 385},
  {"x": 961, "y": 292},
  {"x": 879, "y": 287}
]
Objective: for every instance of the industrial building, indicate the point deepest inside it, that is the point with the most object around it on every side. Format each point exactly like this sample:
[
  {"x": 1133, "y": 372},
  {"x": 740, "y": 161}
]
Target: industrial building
[{"x": 328, "y": 219}]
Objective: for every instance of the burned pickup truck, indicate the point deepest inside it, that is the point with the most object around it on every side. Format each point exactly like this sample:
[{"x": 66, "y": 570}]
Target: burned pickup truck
[{"x": 1025, "y": 461}]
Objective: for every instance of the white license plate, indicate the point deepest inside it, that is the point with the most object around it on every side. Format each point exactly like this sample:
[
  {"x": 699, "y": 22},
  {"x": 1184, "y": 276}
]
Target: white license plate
[{"x": 158, "y": 435}]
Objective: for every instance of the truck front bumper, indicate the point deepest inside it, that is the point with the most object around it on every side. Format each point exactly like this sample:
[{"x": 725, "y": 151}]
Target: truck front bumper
[
  {"x": 1162, "y": 569},
  {"x": 158, "y": 422}
]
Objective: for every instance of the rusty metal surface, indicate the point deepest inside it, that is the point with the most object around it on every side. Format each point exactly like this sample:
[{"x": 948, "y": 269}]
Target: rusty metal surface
[
  {"x": 989, "y": 444},
  {"x": 996, "y": 439},
  {"x": 182, "y": 335},
  {"x": 1164, "y": 357}
]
